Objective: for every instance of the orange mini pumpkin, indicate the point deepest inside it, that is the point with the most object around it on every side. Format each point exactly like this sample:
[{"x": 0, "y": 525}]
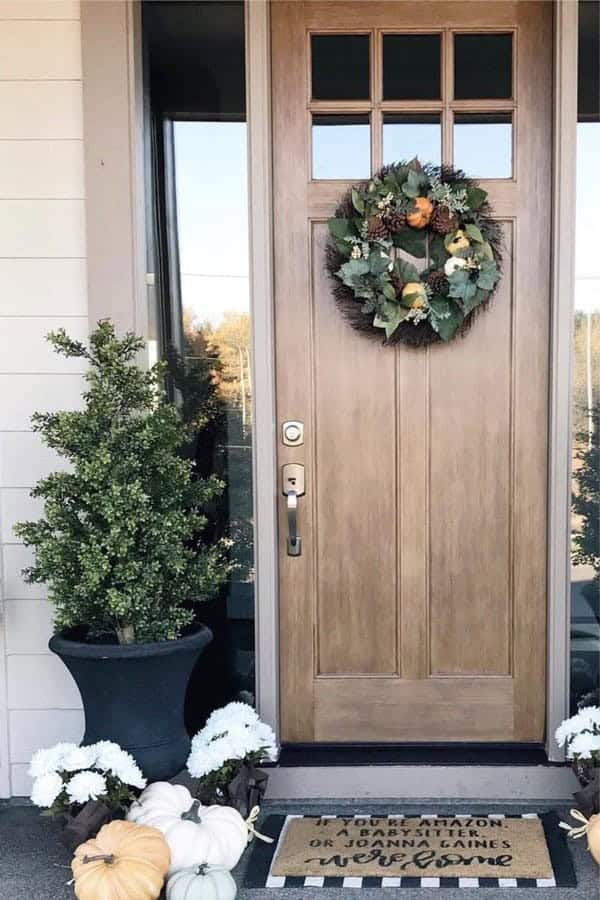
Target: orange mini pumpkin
[
  {"x": 420, "y": 216},
  {"x": 124, "y": 862}
]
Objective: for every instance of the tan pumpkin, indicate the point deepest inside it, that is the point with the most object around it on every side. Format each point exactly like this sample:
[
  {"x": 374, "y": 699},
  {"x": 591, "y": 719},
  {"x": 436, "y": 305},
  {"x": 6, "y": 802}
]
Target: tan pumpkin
[
  {"x": 457, "y": 242},
  {"x": 414, "y": 295},
  {"x": 420, "y": 216},
  {"x": 124, "y": 862},
  {"x": 590, "y": 828}
]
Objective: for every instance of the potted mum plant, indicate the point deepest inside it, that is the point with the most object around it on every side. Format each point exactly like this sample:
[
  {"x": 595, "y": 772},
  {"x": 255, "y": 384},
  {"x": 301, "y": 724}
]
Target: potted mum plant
[
  {"x": 85, "y": 786},
  {"x": 120, "y": 548},
  {"x": 225, "y": 755},
  {"x": 580, "y": 737}
]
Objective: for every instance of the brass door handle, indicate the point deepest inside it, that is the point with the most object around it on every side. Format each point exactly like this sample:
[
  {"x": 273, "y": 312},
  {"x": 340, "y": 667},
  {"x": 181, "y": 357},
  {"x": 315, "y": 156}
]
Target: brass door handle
[{"x": 292, "y": 487}]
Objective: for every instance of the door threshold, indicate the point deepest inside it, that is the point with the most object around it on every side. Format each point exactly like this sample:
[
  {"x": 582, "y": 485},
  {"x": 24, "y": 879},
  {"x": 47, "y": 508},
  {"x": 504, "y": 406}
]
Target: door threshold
[
  {"x": 478, "y": 783},
  {"x": 414, "y": 754}
]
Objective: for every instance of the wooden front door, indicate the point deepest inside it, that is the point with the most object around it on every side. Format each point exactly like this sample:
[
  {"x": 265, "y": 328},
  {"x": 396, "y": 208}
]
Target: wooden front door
[{"x": 417, "y": 608}]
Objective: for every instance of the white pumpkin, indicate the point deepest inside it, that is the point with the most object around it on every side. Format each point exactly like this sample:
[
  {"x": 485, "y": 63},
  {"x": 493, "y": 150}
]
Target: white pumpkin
[
  {"x": 196, "y": 834},
  {"x": 202, "y": 883}
]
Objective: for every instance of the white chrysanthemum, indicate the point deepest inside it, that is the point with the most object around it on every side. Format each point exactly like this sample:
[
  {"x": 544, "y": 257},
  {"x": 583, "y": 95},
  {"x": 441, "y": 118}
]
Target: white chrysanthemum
[
  {"x": 235, "y": 713},
  {"x": 79, "y": 758},
  {"x": 454, "y": 263},
  {"x": 86, "y": 786},
  {"x": 49, "y": 759},
  {"x": 231, "y": 733},
  {"x": 590, "y": 716},
  {"x": 106, "y": 753},
  {"x": 587, "y": 718},
  {"x": 268, "y": 741},
  {"x": 205, "y": 759},
  {"x": 46, "y": 789},
  {"x": 583, "y": 746},
  {"x": 112, "y": 758}
]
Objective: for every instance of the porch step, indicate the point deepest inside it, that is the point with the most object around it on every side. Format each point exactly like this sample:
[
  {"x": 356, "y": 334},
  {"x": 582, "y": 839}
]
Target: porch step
[{"x": 512, "y": 783}]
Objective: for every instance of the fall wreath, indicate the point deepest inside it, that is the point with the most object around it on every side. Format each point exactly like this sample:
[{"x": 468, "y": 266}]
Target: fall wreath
[{"x": 414, "y": 253}]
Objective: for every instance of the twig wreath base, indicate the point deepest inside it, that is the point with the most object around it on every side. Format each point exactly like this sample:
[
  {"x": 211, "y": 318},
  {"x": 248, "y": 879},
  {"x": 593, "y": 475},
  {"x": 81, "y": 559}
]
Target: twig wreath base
[{"x": 434, "y": 215}]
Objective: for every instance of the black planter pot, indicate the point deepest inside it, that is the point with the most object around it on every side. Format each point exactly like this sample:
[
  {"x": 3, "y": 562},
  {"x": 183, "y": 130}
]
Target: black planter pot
[{"x": 134, "y": 694}]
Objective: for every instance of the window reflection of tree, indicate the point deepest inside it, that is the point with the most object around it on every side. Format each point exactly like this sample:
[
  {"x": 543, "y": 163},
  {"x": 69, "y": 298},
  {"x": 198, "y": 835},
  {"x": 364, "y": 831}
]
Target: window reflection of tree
[{"x": 212, "y": 379}]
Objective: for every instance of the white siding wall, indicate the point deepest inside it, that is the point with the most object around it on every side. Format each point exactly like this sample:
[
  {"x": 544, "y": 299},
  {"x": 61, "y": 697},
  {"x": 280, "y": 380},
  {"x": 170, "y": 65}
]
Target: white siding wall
[{"x": 42, "y": 287}]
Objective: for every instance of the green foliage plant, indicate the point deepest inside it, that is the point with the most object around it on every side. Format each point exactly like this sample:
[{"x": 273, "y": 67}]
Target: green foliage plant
[{"x": 120, "y": 543}]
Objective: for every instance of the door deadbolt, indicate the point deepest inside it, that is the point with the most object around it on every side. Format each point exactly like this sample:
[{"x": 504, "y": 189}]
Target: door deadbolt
[{"x": 293, "y": 433}]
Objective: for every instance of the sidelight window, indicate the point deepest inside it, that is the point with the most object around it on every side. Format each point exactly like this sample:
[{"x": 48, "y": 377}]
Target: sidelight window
[
  {"x": 197, "y": 136},
  {"x": 585, "y": 409}
]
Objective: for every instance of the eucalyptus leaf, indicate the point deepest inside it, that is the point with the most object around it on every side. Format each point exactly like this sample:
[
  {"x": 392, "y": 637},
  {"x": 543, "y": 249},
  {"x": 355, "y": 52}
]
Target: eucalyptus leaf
[
  {"x": 437, "y": 251},
  {"x": 344, "y": 247},
  {"x": 469, "y": 296},
  {"x": 474, "y": 233},
  {"x": 357, "y": 201},
  {"x": 447, "y": 326},
  {"x": 406, "y": 270},
  {"x": 485, "y": 251},
  {"x": 339, "y": 228},
  {"x": 392, "y": 315},
  {"x": 388, "y": 291},
  {"x": 477, "y": 297},
  {"x": 410, "y": 190},
  {"x": 488, "y": 275},
  {"x": 411, "y": 241},
  {"x": 440, "y": 307},
  {"x": 457, "y": 281},
  {"x": 476, "y": 197},
  {"x": 378, "y": 263}
]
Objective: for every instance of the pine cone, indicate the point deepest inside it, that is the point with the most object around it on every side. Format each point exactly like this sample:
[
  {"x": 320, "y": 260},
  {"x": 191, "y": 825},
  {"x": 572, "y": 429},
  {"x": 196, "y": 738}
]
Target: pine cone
[
  {"x": 376, "y": 228},
  {"x": 395, "y": 221},
  {"x": 438, "y": 282},
  {"x": 443, "y": 221}
]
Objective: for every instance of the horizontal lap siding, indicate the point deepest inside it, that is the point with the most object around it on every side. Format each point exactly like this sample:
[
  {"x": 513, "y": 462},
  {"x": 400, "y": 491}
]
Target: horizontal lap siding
[{"x": 42, "y": 287}]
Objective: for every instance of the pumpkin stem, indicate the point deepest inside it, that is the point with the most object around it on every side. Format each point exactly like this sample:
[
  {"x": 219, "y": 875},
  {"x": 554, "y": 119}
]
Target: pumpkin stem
[
  {"x": 108, "y": 858},
  {"x": 192, "y": 814}
]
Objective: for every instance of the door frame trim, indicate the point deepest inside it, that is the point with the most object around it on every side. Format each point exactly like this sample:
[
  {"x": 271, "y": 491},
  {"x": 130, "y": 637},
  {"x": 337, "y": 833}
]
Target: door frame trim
[
  {"x": 260, "y": 181},
  {"x": 561, "y": 350},
  {"x": 130, "y": 309}
]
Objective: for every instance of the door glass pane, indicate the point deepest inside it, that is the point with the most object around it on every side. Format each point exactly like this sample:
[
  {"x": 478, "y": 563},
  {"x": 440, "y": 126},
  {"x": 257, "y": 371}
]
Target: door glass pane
[
  {"x": 585, "y": 399},
  {"x": 405, "y": 136},
  {"x": 483, "y": 144},
  {"x": 483, "y": 66},
  {"x": 340, "y": 66},
  {"x": 341, "y": 147},
  {"x": 411, "y": 66}
]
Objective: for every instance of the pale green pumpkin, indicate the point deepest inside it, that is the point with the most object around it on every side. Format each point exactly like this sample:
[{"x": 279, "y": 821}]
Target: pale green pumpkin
[{"x": 202, "y": 883}]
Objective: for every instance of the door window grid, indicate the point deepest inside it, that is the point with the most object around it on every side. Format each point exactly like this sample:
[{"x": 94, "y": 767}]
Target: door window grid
[{"x": 447, "y": 106}]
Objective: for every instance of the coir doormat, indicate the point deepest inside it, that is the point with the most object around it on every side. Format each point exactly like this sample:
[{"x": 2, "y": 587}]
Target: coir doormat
[{"x": 460, "y": 850}]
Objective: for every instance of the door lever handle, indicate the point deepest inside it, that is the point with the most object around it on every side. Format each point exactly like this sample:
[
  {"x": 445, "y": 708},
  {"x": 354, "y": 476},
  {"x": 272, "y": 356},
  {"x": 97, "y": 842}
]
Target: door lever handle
[
  {"x": 292, "y": 486},
  {"x": 294, "y": 542}
]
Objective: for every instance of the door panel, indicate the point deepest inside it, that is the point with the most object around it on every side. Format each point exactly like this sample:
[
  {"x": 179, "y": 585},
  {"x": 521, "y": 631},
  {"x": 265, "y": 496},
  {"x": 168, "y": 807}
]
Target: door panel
[{"x": 417, "y": 608}]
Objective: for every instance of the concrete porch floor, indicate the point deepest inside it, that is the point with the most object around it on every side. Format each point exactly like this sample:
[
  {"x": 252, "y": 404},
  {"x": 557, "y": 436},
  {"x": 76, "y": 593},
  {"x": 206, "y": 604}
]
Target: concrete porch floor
[{"x": 35, "y": 866}]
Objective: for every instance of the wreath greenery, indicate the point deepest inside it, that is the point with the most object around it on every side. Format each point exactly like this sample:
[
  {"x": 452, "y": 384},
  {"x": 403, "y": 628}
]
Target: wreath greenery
[{"x": 414, "y": 253}]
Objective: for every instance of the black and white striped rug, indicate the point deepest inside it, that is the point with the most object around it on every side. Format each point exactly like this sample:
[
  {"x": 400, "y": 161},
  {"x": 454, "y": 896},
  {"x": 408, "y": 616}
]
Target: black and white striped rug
[{"x": 260, "y": 874}]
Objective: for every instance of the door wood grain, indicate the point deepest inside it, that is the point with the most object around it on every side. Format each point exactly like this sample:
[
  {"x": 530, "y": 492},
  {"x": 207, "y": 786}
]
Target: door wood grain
[{"x": 417, "y": 610}]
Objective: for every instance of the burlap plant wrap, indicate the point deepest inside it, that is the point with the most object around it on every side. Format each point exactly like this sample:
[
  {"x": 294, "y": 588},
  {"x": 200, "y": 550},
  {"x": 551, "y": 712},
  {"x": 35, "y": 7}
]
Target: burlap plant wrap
[{"x": 482, "y": 846}]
